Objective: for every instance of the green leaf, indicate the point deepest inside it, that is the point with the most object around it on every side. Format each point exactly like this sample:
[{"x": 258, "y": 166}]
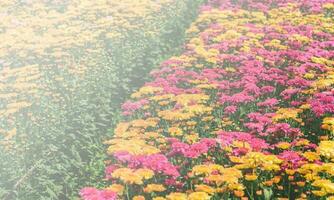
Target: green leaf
[{"x": 268, "y": 193}]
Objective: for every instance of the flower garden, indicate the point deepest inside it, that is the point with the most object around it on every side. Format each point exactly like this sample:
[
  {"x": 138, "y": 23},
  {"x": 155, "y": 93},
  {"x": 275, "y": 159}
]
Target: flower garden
[
  {"x": 65, "y": 68},
  {"x": 245, "y": 112}
]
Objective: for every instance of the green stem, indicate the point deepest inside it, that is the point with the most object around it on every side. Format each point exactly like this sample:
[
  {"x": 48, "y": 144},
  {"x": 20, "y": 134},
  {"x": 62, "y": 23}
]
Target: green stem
[
  {"x": 252, "y": 188},
  {"x": 127, "y": 192},
  {"x": 289, "y": 191},
  {"x": 250, "y": 194}
]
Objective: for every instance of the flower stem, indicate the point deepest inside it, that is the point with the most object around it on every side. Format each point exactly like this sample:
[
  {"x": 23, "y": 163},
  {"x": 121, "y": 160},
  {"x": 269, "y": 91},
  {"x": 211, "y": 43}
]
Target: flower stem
[{"x": 127, "y": 192}]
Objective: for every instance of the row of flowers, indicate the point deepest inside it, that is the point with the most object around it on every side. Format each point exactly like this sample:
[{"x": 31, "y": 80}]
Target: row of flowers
[
  {"x": 46, "y": 43},
  {"x": 63, "y": 77},
  {"x": 246, "y": 112}
]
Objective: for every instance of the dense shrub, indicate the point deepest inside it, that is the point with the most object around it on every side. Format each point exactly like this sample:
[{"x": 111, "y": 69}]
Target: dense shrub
[
  {"x": 65, "y": 67},
  {"x": 245, "y": 112}
]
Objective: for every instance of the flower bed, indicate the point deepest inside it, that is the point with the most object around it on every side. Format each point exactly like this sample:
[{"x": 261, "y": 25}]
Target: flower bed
[
  {"x": 246, "y": 112},
  {"x": 65, "y": 68}
]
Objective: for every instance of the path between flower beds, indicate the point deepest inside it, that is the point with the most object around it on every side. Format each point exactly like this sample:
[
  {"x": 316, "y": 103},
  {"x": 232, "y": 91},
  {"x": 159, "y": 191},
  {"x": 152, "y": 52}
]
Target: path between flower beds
[{"x": 246, "y": 112}]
